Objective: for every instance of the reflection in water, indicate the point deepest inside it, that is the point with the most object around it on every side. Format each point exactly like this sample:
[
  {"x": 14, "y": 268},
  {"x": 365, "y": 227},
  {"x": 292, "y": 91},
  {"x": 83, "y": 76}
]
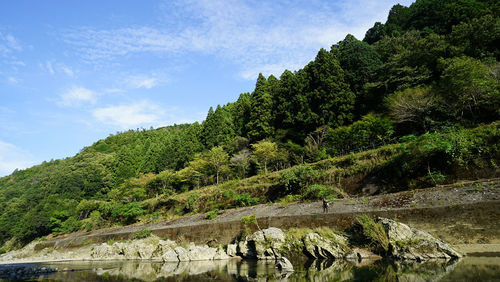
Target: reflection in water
[{"x": 466, "y": 269}]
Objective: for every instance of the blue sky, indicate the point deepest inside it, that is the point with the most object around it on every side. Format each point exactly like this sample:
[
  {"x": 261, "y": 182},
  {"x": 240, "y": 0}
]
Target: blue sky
[{"x": 73, "y": 72}]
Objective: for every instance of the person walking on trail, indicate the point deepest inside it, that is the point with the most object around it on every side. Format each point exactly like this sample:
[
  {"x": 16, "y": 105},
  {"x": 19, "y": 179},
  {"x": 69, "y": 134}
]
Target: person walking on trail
[{"x": 325, "y": 205}]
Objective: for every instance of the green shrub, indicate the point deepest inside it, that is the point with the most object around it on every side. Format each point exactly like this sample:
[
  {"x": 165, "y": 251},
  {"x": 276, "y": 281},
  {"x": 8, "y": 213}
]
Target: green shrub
[
  {"x": 245, "y": 199},
  {"x": 370, "y": 132},
  {"x": 190, "y": 201},
  {"x": 212, "y": 214},
  {"x": 297, "y": 178},
  {"x": 128, "y": 213},
  {"x": 144, "y": 233},
  {"x": 318, "y": 191},
  {"x": 285, "y": 201}
]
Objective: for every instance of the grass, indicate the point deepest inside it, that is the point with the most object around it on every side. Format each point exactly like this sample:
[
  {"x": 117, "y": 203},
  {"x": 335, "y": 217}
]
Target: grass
[
  {"x": 399, "y": 166},
  {"x": 144, "y": 233},
  {"x": 212, "y": 214},
  {"x": 373, "y": 233}
]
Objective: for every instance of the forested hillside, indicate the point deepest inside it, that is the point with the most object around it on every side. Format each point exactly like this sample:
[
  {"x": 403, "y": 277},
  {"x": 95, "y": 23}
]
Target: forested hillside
[{"x": 432, "y": 70}]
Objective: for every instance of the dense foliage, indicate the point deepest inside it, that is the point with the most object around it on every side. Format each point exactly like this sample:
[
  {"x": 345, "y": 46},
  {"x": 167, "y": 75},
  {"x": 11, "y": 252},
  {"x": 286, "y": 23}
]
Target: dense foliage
[{"x": 429, "y": 73}]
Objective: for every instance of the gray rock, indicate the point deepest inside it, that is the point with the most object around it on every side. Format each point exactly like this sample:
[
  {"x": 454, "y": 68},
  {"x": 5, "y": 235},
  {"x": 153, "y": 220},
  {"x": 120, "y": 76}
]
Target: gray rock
[
  {"x": 245, "y": 251},
  {"x": 319, "y": 247},
  {"x": 220, "y": 254},
  {"x": 267, "y": 243},
  {"x": 162, "y": 248},
  {"x": 284, "y": 265},
  {"x": 182, "y": 254},
  {"x": 409, "y": 243},
  {"x": 232, "y": 250},
  {"x": 197, "y": 253},
  {"x": 170, "y": 256}
]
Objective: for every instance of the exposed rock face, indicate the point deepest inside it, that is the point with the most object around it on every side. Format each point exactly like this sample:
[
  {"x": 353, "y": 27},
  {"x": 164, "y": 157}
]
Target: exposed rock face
[
  {"x": 319, "y": 247},
  {"x": 201, "y": 253},
  {"x": 182, "y": 254},
  {"x": 267, "y": 243},
  {"x": 244, "y": 251},
  {"x": 154, "y": 248},
  {"x": 170, "y": 256},
  {"x": 284, "y": 265},
  {"x": 232, "y": 250},
  {"x": 148, "y": 248},
  {"x": 408, "y": 243}
]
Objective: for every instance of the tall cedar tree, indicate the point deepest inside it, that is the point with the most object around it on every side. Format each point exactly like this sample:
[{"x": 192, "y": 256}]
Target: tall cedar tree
[
  {"x": 329, "y": 98},
  {"x": 360, "y": 63},
  {"x": 260, "y": 125},
  {"x": 218, "y": 128}
]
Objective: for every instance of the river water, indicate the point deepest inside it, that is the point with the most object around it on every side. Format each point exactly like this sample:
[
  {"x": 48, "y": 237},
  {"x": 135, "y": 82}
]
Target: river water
[{"x": 466, "y": 269}]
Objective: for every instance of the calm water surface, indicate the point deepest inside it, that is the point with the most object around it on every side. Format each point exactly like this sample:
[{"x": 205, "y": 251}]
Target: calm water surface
[{"x": 466, "y": 269}]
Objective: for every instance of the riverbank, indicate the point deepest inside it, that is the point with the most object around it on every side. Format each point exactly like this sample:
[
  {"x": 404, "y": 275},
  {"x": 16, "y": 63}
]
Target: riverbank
[{"x": 463, "y": 214}]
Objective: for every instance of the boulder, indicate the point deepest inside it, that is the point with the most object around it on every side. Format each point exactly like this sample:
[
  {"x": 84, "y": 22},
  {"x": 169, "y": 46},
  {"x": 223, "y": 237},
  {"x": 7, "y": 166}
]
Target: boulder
[
  {"x": 170, "y": 256},
  {"x": 220, "y": 254},
  {"x": 196, "y": 253},
  {"x": 284, "y": 265},
  {"x": 409, "y": 243},
  {"x": 163, "y": 247},
  {"x": 182, "y": 254},
  {"x": 105, "y": 251},
  {"x": 244, "y": 250},
  {"x": 267, "y": 243},
  {"x": 232, "y": 250},
  {"x": 317, "y": 246}
]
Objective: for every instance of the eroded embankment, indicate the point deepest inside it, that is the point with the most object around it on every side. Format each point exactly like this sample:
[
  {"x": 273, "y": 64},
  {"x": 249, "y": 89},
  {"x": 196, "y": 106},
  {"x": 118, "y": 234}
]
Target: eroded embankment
[{"x": 460, "y": 214}]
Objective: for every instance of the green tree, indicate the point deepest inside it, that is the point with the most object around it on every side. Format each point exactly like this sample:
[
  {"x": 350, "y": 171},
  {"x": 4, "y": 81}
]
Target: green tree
[
  {"x": 360, "y": 63},
  {"x": 265, "y": 152},
  {"x": 413, "y": 106},
  {"x": 330, "y": 99},
  {"x": 218, "y": 127},
  {"x": 470, "y": 88},
  {"x": 218, "y": 159},
  {"x": 260, "y": 124}
]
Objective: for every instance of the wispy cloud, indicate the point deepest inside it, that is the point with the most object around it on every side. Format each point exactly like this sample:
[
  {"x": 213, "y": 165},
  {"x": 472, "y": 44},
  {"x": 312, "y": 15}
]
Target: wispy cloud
[
  {"x": 48, "y": 66},
  {"x": 67, "y": 70},
  {"x": 13, "y": 157},
  {"x": 127, "y": 116},
  {"x": 9, "y": 44},
  {"x": 13, "y": 80},
  {"x": 145, "y": 114},
  {"x": 255, "y": 35},
  {"x": 143, "y": 82},
  {"x": 76, "y": 96}
]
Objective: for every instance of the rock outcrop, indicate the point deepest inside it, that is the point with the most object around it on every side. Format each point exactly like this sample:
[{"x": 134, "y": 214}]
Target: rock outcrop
[
  {"x": 266, "y": 244},
  {"x": 407, "y": 243},
  {"x": 316, "y": 246},
  {"x": 284, "y": 265}
]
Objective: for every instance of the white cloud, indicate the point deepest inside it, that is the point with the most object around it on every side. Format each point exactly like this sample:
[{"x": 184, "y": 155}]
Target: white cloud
[
  {"x": 142, "y": 113},
  {"x": 67, "y": 70},
  {"x": 78, "y": 95},
  {"x": 9, "y": 44},
  {"x": 13, "y": 157},
  {"x": 255, "y": 35},
  {"x": 49, "y": 67},
  {"x": 13, "y": 80},
  {"x": 143, "y": 82}
]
